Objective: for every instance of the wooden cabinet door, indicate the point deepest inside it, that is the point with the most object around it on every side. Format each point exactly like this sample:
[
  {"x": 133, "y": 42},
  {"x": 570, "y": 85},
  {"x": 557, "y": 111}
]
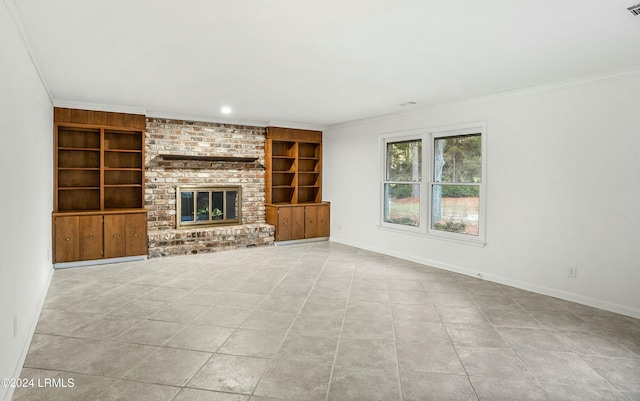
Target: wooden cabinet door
[
  {"x": 90, "y": 237},
  {"x": 66, "y": 239},
  {"x": 136, "y": 234},
  {"x": 298, "y": 223},
  {"x": 310, "y": 221},
  {"x": 283, "y": 226},
  {"x": 323, "y": 221},
  {"x": 114, "y": 236}
]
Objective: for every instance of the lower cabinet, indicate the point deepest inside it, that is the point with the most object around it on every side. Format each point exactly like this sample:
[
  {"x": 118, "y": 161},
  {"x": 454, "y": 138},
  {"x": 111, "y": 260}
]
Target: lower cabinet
[
  {"x": 66, "y": 242},
  {"x": 100, "y": 235},
  {"x": 299, "y": 221},
  {"x": 125, "y": 235},
  {"x": 90, "y": 237}
]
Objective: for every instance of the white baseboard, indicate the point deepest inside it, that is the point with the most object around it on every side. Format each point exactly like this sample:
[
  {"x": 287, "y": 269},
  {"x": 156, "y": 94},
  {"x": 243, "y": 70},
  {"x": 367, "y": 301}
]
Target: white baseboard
[
  {"x": 95, "y": 262},
  {"x": 300, "y": 241},
  {"x": 553, "y": 292},
  {"x": 30, "y": 330}
]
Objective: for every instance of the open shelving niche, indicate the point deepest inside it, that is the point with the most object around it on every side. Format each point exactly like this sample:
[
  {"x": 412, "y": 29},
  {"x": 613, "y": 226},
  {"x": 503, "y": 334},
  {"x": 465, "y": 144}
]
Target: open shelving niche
[
  {"x": 295, "y": 172},
  {"x": 98, "y": 169}
]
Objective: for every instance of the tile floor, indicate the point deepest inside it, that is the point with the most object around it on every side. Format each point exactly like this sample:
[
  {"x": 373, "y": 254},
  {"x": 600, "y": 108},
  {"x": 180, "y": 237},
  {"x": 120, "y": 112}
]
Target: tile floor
[{"x": 319, "y": 321}]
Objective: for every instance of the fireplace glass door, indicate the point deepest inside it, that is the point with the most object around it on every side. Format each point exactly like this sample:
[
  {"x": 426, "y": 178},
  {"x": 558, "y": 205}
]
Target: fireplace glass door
[{"x": 208, "y": 206}]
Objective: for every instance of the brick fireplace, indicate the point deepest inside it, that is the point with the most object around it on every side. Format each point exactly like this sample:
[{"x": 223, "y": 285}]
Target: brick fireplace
[{"x": 204, "y": 155}]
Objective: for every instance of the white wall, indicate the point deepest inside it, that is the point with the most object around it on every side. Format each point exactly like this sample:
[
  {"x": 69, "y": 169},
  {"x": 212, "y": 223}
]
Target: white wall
[
  {"x": 26, "y": 200},
  {"x": 563, "y": 189}
]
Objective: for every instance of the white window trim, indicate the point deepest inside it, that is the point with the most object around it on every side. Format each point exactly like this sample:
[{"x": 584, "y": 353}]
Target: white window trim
[
  {"x": 397, "y": 137},
  {"x": 427, "y": 136}
]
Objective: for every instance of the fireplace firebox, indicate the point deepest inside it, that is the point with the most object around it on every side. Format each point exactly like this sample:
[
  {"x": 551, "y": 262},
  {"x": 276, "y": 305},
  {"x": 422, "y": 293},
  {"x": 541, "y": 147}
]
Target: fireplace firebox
[{"x": 208, "y": 206}]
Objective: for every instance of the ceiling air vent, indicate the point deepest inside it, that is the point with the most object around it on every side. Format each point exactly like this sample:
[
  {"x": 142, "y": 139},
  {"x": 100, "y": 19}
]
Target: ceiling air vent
[{"x": 635, "y": 10}]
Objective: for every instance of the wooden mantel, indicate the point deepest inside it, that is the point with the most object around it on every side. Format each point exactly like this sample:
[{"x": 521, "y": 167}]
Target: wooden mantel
[{"x": 233, "y": 159}]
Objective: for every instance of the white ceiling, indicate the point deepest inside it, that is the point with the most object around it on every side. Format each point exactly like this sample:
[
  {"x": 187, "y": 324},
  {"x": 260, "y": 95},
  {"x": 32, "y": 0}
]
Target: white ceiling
[{"x": 315, "y": 63}]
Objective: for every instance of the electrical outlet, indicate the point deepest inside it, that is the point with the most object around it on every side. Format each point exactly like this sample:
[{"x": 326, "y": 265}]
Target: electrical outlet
[
  {"x": 15, "y": 326},
  {"x": 573, "y": 271}
]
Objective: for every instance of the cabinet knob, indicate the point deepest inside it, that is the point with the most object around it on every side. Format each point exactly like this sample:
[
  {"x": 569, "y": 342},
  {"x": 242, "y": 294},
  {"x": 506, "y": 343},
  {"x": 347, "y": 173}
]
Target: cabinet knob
[
  {"x": 135, "y": 234},
  {"x": 91, "y": 237},
  {"x": 285, "y": 223},
  {"x": 298, "y": 223},
  {"x": 115, "y": 235},
  {"x": 67, "y": 239}
]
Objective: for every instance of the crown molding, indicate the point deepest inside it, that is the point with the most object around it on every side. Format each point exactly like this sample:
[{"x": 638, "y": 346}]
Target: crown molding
[
  {"x": 289, "y": 124},
  {"x": 204, "y": 119},
  {"x": 17, "y": 21},
  {"x": 570, "y": 83},
  {"x": 98, "y": 107}
]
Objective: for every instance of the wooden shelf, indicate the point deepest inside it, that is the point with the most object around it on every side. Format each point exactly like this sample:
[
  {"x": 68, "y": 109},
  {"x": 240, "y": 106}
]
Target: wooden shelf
[
  {"x": 80, "y": 149},
  {"x": 123, "y": 150}
]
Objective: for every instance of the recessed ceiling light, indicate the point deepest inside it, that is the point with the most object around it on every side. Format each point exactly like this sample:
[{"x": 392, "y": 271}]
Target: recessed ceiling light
[{"x": 226, "y": 110}]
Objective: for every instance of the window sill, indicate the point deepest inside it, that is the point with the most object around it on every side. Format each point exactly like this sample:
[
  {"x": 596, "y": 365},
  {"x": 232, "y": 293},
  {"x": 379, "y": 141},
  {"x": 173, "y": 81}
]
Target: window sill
[{"x": 444, "y": 237}]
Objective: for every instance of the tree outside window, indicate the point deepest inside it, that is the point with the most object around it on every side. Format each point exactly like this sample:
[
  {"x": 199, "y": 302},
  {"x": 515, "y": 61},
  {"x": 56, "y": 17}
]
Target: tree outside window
[{"x": 455, "y": 188}]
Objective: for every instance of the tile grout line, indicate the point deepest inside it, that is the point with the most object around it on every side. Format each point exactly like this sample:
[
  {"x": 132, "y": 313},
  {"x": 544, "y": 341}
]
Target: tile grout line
[
  {"x": 274, "y": 357},
  {"x": 234, "y": 328},
  {"x": 535, "y": 378},
  {"x": 344, "y": 318},
  {"x": 395, "y": 339},
  {"x": 590, "y": 329}
]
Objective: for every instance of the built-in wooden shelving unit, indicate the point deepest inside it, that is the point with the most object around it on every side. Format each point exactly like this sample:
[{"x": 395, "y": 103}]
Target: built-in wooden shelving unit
[
  {"x": 294, "y": 184},
  {"x": 98, "y": 181}
]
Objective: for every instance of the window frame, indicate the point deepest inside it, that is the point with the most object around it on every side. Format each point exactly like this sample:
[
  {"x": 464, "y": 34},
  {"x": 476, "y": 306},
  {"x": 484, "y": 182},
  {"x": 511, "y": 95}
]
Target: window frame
[
  {"x": 407, "y": 136},
  {"x": 428, "y": 137}
]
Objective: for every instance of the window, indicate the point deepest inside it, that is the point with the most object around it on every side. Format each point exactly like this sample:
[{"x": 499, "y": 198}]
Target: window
[
  {"x": 402, "y": 182},
  {"x": 433, "y": 182}
]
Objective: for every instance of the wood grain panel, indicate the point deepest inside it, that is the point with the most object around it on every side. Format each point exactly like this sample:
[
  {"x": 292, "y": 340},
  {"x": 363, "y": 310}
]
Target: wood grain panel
[
  {"x": 115, "y": 119},
  {"x": 310, "y": 221},
  {"x": 66, "y": 239},
  {"x": 297, "y": 223},
  {"x": 62, "y": 115},
  {"x": 114, "y": 236},
  {"x": 66, "y": 115},
  {"x": 79, "y": 116},
  {"x": 100, "y": 118},
  {"x": 136, "y": 234},
  {"x": 90, "y": 237},
  {"x": 283, "y": 226},
  {"x": 58, "y": 114},
  {"x": 291, "y": 134},
  {"x": 324, "y": 220}
]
